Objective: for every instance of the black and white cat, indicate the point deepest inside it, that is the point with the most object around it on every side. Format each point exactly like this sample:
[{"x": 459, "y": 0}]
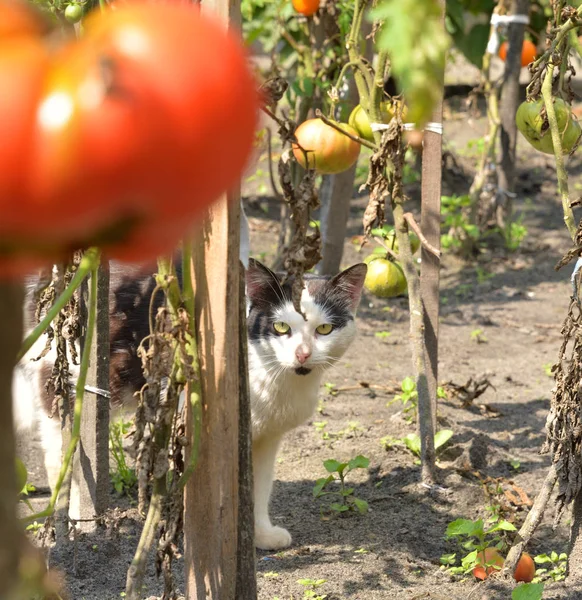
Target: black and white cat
[{"x": 287, "y": 357}]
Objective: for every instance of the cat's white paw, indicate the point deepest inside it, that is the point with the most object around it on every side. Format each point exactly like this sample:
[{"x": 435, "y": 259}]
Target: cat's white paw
[{"x": 271, "y": 538}]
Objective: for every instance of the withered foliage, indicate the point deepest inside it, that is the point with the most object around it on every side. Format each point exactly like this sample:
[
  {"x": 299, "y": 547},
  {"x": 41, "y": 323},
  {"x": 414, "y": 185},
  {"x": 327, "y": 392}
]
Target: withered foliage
[
  {"x": 303, "y": 252},
  {"x": 390, "y": 153},
  {"x": 564, "y": 423},
  {"x": 160, "y": 428},
  {"x": 64, "y": 331}
]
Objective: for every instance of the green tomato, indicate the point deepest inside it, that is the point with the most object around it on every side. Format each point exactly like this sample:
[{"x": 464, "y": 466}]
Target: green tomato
[
  {"x": 385, "y": 278},
  {"x": 360, "y": 122},
  {"x": 532, "y": 123},
  {"x": 74, "y": 13}
]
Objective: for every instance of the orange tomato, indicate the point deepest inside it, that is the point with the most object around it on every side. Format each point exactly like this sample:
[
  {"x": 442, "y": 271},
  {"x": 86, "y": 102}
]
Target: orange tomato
[
  {"x": 528, "y": 52},
  {"x": 306, "y": 7},
  {"x": 489, "y": 561},
  {"x": 328, "y": 150},
  {"x": 525, "y": 569}
]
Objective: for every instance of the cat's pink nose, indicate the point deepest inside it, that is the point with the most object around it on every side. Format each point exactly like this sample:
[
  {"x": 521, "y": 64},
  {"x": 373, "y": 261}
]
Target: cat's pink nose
[{"x": 302, "y": 353}]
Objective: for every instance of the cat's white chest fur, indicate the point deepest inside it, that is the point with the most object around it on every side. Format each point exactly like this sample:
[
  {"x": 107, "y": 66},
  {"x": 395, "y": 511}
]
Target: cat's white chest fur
[{"x": 279, "y": 404}]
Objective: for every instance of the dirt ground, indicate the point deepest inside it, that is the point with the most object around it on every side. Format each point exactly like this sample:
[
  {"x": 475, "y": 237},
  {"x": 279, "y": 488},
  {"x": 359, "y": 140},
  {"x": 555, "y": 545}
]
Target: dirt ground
[{"x": 500, "y": 319}]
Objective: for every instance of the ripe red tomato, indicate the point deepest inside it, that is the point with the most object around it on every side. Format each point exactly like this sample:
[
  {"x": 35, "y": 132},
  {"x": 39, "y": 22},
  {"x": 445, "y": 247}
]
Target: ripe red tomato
[
  {"x": 528, "y": 52},
  {"x": 490, "y": 557},
  {"x": 20, "y": 19},
  {"x": 306, "y": 7},
  {"x": 328, "y": 150},
  {"x": 136, "y": 128},
  {"x": 525, "y": 569}
]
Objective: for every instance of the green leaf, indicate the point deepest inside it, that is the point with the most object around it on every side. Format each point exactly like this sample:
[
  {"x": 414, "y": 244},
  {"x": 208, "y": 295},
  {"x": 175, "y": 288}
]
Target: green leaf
[
  {"x": 413, "y": 36},
  {"x": 359, "y": 462},
  {"x": 528, "y": 591},
  {"x": 408, "y": 385},
  {"x": 469, "y": 560},
  {"x": 442, "y": 437},
  {"x": 347, "y": 492},
  {"x": 412, "y": 442},
  {"x": 448, "y": 559},
  {"x": 337, "y": 507},
  {"x": 334, "y": 466},
  {"x": 465, "y": 527},
  {"x": 320, "y": 484},
  {"x": 361, "y": 505},
  {"x": 503, "y": 526}
]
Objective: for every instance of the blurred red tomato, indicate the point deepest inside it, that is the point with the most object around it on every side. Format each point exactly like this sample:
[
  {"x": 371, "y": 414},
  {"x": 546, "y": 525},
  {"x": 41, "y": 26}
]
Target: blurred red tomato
[{"x": 136, "y": 128}]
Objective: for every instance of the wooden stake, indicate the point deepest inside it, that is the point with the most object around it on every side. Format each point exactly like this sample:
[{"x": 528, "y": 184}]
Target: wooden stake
[
  {"x": 11, "y": 305},
  {"x": 507, "y": 109},
  {"x": 211, "y": 498},
  {"x": 90, "y": 485},
  {"x": 430, "y": 224}
]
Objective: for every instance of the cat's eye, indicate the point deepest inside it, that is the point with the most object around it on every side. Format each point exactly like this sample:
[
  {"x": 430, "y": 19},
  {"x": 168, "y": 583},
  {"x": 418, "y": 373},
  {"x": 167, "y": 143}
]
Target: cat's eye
[
  {"x": 324, "y": 329},
  {"x": 281, "y": 328}
]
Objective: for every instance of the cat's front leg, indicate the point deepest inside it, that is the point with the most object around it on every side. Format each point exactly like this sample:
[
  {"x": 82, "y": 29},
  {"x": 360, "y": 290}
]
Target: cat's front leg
[{"x": 267, "y": 535}]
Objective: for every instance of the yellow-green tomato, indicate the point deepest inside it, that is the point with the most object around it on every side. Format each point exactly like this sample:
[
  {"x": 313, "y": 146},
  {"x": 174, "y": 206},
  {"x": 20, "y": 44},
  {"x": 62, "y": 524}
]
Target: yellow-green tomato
[
  {"x": 327, "y": 150},
  {"x": 532, "y": 123},
  {"x": 360, "y": 122},
  {"x": 385, "y": 278}
]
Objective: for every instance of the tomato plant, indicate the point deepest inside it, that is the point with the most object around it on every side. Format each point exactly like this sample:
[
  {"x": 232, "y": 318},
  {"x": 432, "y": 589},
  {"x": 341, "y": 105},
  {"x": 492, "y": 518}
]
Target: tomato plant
[
  {"x": 150, "y": 115},
  {"x": 327, "y": 150}
]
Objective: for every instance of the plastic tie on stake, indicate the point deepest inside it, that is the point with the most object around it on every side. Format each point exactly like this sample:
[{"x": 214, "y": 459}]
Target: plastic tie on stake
[
  {"x": 97, "y": 391},
  {"x": 497, "y": 20},
  {"x": 430, "y": 126}
]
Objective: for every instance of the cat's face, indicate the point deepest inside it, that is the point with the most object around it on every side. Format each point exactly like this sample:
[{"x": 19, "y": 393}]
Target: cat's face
[{"x": 286, "y": 341}]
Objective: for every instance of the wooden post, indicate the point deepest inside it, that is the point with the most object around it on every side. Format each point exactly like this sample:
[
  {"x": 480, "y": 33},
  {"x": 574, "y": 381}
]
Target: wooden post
[
  {"x": 211, "y": 498},
  {"x": 507, "y": 109},
  {"x": 11, "y": 305},
  {"x": 90, "y": 485},
  {"x": 430, "y": 224}
]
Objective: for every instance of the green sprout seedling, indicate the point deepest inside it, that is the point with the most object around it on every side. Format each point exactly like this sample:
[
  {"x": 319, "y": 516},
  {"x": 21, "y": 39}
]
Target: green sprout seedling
[
  {"x": 473, "y": 538},
  {"x": 478, "y": 336},
  {"x": 312, "y": 585},
  {"x": 554, "y": 569},
  {"x": 409, "y": 399},
  {"x": 338, "y": 471},
  {"x": 123, "y": 477}
]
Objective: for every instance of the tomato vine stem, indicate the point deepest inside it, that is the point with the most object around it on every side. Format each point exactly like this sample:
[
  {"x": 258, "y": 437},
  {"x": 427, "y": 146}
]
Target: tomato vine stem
[
  {"x": 79, "y": 391},
  {"x": 88, "y": 262}
]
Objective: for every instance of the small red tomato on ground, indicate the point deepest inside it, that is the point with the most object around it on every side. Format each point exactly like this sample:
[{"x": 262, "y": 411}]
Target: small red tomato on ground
[
  {"x": 327, "y": 150},
  {"x": 306, "y": 7},
  {"x": 525, "y": 569},
  {"x": 528, "y": 52},
  {"x": 489, "y": 561}
]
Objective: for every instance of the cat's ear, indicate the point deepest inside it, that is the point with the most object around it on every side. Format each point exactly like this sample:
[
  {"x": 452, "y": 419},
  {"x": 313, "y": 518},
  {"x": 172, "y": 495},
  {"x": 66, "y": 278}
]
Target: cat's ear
[
  {"x": 351, "y": 283},
  {"x": 262, "y": 283}
]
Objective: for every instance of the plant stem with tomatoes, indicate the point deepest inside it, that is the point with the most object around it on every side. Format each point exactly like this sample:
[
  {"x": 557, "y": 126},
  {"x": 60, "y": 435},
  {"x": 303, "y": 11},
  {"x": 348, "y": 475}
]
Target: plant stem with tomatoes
[{"x": 371, "y": 92}]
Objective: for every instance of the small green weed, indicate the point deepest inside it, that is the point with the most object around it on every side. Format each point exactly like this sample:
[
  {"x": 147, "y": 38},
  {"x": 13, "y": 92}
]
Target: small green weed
[
  {"x": 312, "y": 585},
  {"x": 338, "y": 472},
  {"x": 555, "y": 568},
  {"x": 478, "y": 336},
  {"x": 409, "y": 399},
  {"x": 473, "y": 537},
  {"x": 123, "y": 478},
  {"x": 548, "y": 369},
  {"x": 514, "y": 234}
]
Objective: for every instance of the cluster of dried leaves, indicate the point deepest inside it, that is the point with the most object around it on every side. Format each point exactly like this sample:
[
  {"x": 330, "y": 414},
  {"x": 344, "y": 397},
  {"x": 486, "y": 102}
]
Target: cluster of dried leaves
[
  {"x": 564, "y": 422},
  {"x": 160, "y": 427}
]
